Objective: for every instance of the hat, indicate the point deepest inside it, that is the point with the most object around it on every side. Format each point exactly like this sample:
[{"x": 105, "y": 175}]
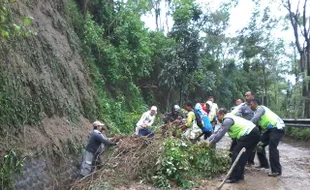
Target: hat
[
  {"x": 209, "y": 103},
  {"x": 176, "y": 108},
  {"x": 154, "y": 108},
  {"x": 97, "y": 123},
  {"x": 198, "y": 106}
]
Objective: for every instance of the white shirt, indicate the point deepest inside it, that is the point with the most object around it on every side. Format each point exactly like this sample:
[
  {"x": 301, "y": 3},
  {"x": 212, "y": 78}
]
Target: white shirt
[{"x": 146, "y": 119}]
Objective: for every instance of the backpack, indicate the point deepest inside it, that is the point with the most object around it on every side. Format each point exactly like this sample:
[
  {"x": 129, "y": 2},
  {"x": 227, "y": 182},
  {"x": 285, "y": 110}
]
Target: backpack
[{"x": 198, "y": 120}]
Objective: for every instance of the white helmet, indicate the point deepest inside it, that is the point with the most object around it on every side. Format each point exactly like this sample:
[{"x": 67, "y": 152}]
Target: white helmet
[{"x": 176, "y": 108}]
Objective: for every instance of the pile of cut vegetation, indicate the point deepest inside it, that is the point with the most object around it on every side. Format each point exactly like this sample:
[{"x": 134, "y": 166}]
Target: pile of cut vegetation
[{"x": 160, "y": 161}]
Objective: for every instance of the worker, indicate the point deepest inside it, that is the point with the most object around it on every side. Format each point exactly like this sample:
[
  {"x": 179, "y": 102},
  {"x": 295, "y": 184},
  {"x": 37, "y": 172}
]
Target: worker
[
  {"x": 96, "y": 139},
  {"x": 244, "y": 110},
  {"x": 174, "y": 116},
  {"x": 237, "y": 103},
  {"x": 146, "y": 120},
  {"x": 207, "y": 128},
  {"x": 247, "y": 135},
  {"x": 190, "y": 128},
  {"x": 272, "y": 127},
  {"x": 213, "y": 110}
]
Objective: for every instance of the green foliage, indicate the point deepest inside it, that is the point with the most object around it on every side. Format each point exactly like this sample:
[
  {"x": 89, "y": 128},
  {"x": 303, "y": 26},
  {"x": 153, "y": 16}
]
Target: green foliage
[
  {"x": 74, "y": 16},
  {"x": 298, "y": 133},
  {"x": 10, "y": 164},
  {"x": 182, "y": 163},
  {"x": 118, "y": 56},
  {"x": 8, "y": 29}
]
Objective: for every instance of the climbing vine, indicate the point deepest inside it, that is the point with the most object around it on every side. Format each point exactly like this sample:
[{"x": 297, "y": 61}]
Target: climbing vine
[{"x": 10, "y": 29}]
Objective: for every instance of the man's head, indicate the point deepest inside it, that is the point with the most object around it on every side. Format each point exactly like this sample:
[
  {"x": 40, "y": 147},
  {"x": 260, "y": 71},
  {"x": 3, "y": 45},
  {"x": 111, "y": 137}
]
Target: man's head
[
  {"x": 211, "y": 98},
  {"x": 220, "y": 114},
  {"x": 254, "y": 103},
  {"x": 176, "y": 109},
  {"x": 238, "y": 102},
  {"x": 249, "y": 95},
  {"x": 153, "y": 110},
  {"x": 98, "y": 125},
  {"x": 188, "y": 106}
]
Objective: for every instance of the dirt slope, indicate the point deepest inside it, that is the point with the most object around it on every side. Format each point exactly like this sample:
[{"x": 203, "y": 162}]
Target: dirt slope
[
  {"x": 46, "y": 93},
  {"x": 46, "y": 86}
]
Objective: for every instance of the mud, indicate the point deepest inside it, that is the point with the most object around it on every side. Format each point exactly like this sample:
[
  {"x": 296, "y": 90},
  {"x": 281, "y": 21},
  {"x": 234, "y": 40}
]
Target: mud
[{"x": 295, "y": 172}]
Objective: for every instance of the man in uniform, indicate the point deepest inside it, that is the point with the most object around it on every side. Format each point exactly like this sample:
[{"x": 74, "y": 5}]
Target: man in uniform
[
  {"x": 272, "y": 127},
  {"x": 244, "y": 110},
  {"x": 247, "y": 135}
]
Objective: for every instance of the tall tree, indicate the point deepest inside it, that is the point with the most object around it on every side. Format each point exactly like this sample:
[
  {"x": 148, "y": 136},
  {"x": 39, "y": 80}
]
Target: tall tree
[{"x": 301, "y": 27}]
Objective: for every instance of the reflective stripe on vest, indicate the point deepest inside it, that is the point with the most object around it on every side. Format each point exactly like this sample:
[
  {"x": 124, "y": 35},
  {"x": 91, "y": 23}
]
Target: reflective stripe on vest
[
  {"x": 241, "y": 126},
  {"x": 270, "y": 120}
]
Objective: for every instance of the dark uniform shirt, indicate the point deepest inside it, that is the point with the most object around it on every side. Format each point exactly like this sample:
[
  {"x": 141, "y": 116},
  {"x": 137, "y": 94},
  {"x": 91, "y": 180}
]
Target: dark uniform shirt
[
  {"x": 170, "y": 117},
  {"x": 95, "y": 140},
  {"x": 245, "y": 111}
]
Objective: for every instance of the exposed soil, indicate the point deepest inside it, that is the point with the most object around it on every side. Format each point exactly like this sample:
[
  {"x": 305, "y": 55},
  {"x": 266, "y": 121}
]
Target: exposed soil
[{"x": 55, "y": 131}]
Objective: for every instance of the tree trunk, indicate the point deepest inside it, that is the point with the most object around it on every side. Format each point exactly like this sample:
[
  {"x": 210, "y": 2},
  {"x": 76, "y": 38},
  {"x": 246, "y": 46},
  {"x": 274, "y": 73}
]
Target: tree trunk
[
  {"x": 156, "y": 20},
  {"x": 168, "y": 99},
  {"x": 307, "y": 85},
  {"x": 181, "y": 98},
  {"x": 265, "y": 99}
]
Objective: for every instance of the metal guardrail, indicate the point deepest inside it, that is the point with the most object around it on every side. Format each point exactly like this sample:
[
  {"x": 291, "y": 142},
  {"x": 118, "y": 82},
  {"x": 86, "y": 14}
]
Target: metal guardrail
[{"x": 300, "y": 123}]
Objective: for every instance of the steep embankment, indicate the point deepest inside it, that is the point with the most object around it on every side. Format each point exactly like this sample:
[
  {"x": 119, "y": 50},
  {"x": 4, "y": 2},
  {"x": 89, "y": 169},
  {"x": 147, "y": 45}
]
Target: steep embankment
[{"x": 46, "y": 94}]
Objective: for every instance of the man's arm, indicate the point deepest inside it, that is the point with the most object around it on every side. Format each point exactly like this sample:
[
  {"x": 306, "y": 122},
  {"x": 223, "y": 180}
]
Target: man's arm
[
  {"x": 218, "y": 135},
  {"x": 104, "y": 140},
  {"x": 257, "y": 115},
  {"x": 140, "y": 122},
  {"x": 151, "y": 121}
]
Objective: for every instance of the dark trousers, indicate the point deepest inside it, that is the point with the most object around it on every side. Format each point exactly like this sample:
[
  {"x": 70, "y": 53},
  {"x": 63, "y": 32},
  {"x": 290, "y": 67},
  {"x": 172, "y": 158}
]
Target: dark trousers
[
  {"x": 249, "y": 142},
  {"x": 272, "y": 138},
  {"x": 146, "y": 132},
  {"x": 207, "y": 134},
  {"x": 252, "y": 157},
  {"x": 232, "y": 146}
]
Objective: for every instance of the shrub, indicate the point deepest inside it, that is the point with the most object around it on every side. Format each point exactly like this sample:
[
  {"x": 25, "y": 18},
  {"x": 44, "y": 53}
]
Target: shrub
[
  {"x": 182, "y": 163},
  {"x": 298, "y": 133}
]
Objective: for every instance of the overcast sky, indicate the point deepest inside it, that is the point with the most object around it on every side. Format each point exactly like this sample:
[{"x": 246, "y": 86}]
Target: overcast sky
[{"x": 239, "y": 18}]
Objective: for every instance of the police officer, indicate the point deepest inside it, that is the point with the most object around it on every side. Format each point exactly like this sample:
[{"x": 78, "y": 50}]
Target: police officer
[
  {"x": 272, "y": 127},
  {"x": 247, "y": 135}
]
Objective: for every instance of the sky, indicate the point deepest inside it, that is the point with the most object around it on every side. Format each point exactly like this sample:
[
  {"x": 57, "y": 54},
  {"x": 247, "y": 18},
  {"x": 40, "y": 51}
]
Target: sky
[{"x": 239, "y": 16}]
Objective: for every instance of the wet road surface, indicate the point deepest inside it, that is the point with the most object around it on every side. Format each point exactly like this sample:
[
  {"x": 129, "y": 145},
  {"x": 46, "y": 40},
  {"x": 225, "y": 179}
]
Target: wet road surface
[{"x": 295, "y": 163}]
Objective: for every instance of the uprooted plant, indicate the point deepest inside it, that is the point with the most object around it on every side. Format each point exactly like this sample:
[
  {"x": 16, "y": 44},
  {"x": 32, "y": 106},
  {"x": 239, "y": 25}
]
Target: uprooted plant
[{"x": 162, "y": 162}]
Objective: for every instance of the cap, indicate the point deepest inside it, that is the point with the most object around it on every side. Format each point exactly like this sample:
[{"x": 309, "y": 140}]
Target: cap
[
  {"x": 198, "y": 106},
  {"x": 209, "y": 103},
  {"x": 176, "y": 108},
  {"x": 154, "y": 108},
  {"x": 97, "y": 123}
]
